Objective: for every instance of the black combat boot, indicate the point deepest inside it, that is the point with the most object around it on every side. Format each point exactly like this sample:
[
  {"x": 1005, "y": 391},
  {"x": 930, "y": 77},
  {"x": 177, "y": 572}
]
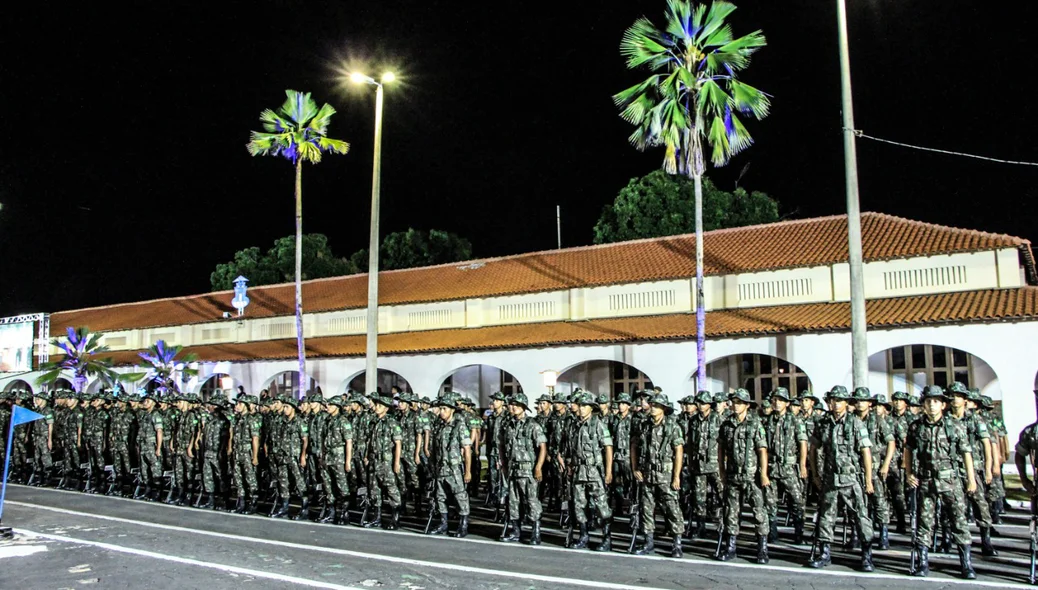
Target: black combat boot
[
  {"x": 329, "y": 514},
  {"x": 945, "y": 537},
  {"x": 798, "y": 530},
  {"x": 852, "y": 540},
  {"x": 239, "y": 507},
  {"x": 535, "y": 538},
  {"x": 304, "y": 509},
  {"x": 210, "y": 503},
  {"x": 343, "y": 515},
  {"x": 583, "y": 539},
  {"x": 822, "y": 556},
  {"x": 884, "y": 537},
  {"x": 282, "y": 510},
  {"x": 442, "y": 527},
  {"x": 394, "y": 521},
  {"x": 250, "y": 506},
  {"x": 647, "y": 546},
  {"x": 762, "y": 549},
  {"x": 607, "y": 536},
  {"x": 375, "y": 522},
  {"x": 700, "y": 528},
  {"x": 174, "y": 496},
  {"x": 88, "y": 488},
  {"x": 511, "y": 534},
  {"x": 922, "y": 566},
  {"x": 965, "y": 563},
  {"x": 866, "y": 556},
  {"x": 463, "y": 528},
  {"x": 143, "y": 494},
  {"x": 675, "y": 548},
  {"x": 986, "y": 548},
  {"x": 901, "y": 528},
  {"x": 997, "y": 510},
  {"x": 772, "y": 531},
  {"x": 728, "y": 550}
]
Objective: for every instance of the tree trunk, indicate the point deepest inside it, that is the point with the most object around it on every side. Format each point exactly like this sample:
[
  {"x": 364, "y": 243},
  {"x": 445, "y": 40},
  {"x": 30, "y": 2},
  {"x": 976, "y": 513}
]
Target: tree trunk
[
  {"x": 700, "y": 299},
  {"x": 79, "y": 382},
  {"x": 300, "y": 343}
]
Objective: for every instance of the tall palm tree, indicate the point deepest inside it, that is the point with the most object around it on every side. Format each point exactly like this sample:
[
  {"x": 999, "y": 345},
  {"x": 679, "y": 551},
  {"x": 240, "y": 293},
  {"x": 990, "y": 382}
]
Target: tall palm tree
[
  {"x": 297, "y": 132},
  {"x": 160, "y": 365},
  {"x": 81, "y": 348},
  {"x": 691, "y": 102}
]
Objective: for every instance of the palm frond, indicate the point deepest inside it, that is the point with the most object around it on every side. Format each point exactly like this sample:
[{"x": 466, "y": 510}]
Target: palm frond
[
  {"x": 299, "y": 107},
  {"x": 714, "y": 20},
  {"x": 642, "y": 44},
  {"x": 335, "y": 146},
  {"x": 749, "y": 100},
  {"x": 319, "y": 123}
]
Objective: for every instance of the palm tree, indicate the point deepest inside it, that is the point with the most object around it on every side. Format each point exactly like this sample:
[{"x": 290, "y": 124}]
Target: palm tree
[
  {"x": 161, "y": 366},
  {"x": 81, "y": 349},
  {"x": 297, "y": 132},
  {"x": 692, "y": 100}
]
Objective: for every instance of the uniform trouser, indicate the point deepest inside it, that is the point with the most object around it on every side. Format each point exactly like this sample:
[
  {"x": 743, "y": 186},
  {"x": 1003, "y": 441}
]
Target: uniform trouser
[
  {"x": 591, "y": 492},
  {"x": 792, "y": 488},
  {"x": 623, "y": 477},
  {"x": 212, "y": 472},
  {"x": 95, "y": 452},
  {"x": 997, "y": 490},
  {"x": 701, "y": 484},
  {"x": 407, "y": 479},
  {"x": 477, "y": 466},
  {"x": 661, "y": 492},
  {"x": 454, "y": 482},
  {"x": 183, "y": 469},
  {"x": 493, "y": 473},
  {"x": 333, "y": 476},
  {"x": 41, "y": 455},
  {"x": 71, "y": 454},
  {"x": 951, "y": 496},
  {"x": 896, "y": 490},
  {"x": 738, "y": 493},
  {"x": 382, "y": 480},
  {"x": 878, "y": 501},
  {"x": 20, "y": 454},
  {"x": 857, "y": 507},
  {"x": 120, "y": 461},
  {"x": 981, "y": 509},
  {"x": 244, "y": 474},
  {"x": 289, "y": 476},
  {"x": 151, "y": 467},
  {"x": 522, "y": 495}
]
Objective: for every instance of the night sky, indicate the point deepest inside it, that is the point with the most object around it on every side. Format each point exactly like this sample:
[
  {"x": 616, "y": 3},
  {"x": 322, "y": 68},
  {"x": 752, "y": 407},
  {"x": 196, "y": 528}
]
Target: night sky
[{"x": 124, "y": 174}]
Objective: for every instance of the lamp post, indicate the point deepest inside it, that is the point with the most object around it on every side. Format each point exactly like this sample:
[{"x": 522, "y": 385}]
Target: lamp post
[
  {"x": 859, "y": 344},
  {"x": 371, "y": 348},
  {"x": 551, "y": 377}
]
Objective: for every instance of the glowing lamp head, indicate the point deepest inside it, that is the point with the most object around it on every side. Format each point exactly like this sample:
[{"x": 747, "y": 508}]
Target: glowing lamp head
[
  {"x": 358, "y": 78},
  {"x": 388, "y": 77}
]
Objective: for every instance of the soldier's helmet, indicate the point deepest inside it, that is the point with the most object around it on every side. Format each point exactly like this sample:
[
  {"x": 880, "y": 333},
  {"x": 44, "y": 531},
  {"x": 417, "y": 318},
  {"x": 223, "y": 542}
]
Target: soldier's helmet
[
  {"x": 519, "y": 399},
  {"x": 497, "y": 395},
  {"x": 384, "y": 400},
  {"x": 660, "y": 399},
  {"x": 42, "y": 395},
  {"x": 766, "y": 403},
  {"x": 544, "y": 398},
  {"x": 623, "y": 398},
  {"x": 957, "y": 388},
  {"x": 688, "y": 400},
  {"x": 704, "y": 397},
  {"x": 838, "y": 392},
  {"x": 603, "y": 398},
  {"x": 743, "y": 396},
  {"x": 795, "y": 402},
  {"x": 915, "y": 400},
  {"x": 781, "y": 393},
  {"x": 899, "y": 395},
  {"x": 808, "y": 394},
  {"x": 561, "y": 398},
  {"x": 934, "y": 391},
  {"x": 720, "y": 396},
  {"x": 974, "y": 395},
  {"x": 862, "y": 394},
  {"x": 583, "y": 398},
  {"x": 987, "y": 403},
  {"x": 881, "y": 400}
]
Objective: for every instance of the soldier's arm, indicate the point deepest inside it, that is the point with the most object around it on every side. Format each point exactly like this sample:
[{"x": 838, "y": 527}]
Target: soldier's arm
[
  {"x": 885, "y": 467},
  {"x": 50, "y": 436},
  {"x": 79, "y": 435},
  {"x": 866, "y": 460},
  {"x": 679, "y": 459},
  {"x": 158, "y": 440},
  {"x": 608, "y": 464},
  {"x": 909, "y": 476},
  {"x": 396, "y": 456},
  {"x": 417, "y": 446},
  {"x": 762, "y": 454},
  {"x": 349, "y": 453},
  {"x": 813, "y": 455},
  {"x": 988, "y": 459},
  {"x": 802, "y": 450},
  {"x": 722, "y": 473},
  {"x": 255, "y": 450},
  {"x": 306, "y": 444},
  {"x": 1021, "y": 468},
  {"x": 542, "y": 452},
  {"x": 996, "y": 461},
  {"x": 466, "y": 453},
  {"x": 971, "y": 478},
  {"x": 230, "y": 437},
  {"x": 634, "y": 459}
]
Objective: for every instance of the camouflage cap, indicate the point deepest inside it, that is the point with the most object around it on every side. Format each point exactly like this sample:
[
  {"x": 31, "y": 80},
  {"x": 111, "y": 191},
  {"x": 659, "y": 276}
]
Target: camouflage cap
[
  {"x": 446, "y": 400},
  {"x": 881, "y": 400},
  {"x": 561, "y": 398},
  {"x": 782, "y": 393},
  {"x": 915, "y": 400},
  {"x": 796, "y": 402},
  {"x": 704, "y": 397},
  {"x": 808, "y": 394},
  {"x": 957, "y": 388},
  {"x": 545, "y": 397},
  {"x": 720, "y": 397},
  {"x": 987, "y": 403},
  {"x": 742, "y": 396},
  {"x": 688, "y": 400},
  {"x": 603, "y": 398},
  {"x": 974, "y": 394},
  {"x": 838, "y": 392},
  {"x": 862, "y": 394},
  {"x": 766, "y": 403},
  {"x": 934, "y": 391},
  {"x": 899, "y": 395},
  {"x": 583, "y": 398},
  {"x": 384, "y": 400},
  {"x": 622, "y": 398},
  {"x": 497, "y": 395},
  {"x": 660, "y": 399},
  {"x": 519, "y": 399}
]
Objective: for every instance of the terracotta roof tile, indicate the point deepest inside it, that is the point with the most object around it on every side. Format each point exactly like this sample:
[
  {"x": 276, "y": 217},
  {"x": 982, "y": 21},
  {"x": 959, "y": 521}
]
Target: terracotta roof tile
[
  {"x": 807, "y": 242},
  {"x": 970, "y": 306}
]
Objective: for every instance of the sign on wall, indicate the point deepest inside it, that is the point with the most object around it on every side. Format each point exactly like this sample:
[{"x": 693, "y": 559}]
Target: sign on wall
[{"x": 16, "y": 342}]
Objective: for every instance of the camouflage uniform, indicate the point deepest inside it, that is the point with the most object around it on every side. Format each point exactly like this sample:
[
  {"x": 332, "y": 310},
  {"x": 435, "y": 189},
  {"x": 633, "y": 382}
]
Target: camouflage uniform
[
  {"x": 68, "y": 428},
  {"x": 383, "y": 435},
  {"x": 245, "y": 428},
  {"x": 996, "y": 493},
  {"x": 183, "y": 438},
  {"x": 620, "y": 430},
  {"x": 518, "y": 446},
  {"x": 976, "y": 430},
  {"x": 701, "y": 456},
  {"x": 585, "y": 442},
  {"x": 412, "y": 423},
  {"x": 5, "y": 419},
  {"x": 896, "y": 484},
  {"x": 288, "y": 447},
  {"x": 785, "y": 433},
  {"x": 41, "y": 441},
  {"x": 95, "y": 426},
  {"x": 881, "y": 434},
  {"x": 447, "y": 461},
  {"x": 119, "y": 431},
  {"x": 149, "y": 425},
  {"x": 740, "y": 442},
  {"x": 658, "y": 445},
  {"x": 492, "y": 426},
  {"x": 337, "y": 431},
  {"x": 476, "y": 431},
  {"x": 215, "y": 435},
  {"x": 316, "y": 422}
]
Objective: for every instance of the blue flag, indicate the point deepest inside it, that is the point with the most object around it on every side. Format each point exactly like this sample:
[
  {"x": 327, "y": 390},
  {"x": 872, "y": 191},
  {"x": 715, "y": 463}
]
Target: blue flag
[{"x": 22, "y": 415}]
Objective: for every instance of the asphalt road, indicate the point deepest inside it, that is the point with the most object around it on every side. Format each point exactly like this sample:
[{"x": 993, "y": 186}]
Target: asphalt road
[{"x": 73, "y": 540}]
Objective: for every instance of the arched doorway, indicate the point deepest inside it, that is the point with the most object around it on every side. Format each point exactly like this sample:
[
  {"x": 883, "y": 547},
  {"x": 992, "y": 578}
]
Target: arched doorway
[
  {"x": 479, "y": 382},
  {"x": 219, "y": 381},
  {"x": 760, "y": 374},
  {"x": 912, "y": 367},
  {"x": 287, "y": 383},
  {"x": 387, "y": 382},
  {"x": 19, "y": 384},
  {"x": 599, "y": 376},
  {"x": 61, "y": 383}
]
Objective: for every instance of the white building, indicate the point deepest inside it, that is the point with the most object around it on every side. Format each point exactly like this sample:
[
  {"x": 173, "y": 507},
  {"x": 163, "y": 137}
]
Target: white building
[{"x": 943, "y": 304}]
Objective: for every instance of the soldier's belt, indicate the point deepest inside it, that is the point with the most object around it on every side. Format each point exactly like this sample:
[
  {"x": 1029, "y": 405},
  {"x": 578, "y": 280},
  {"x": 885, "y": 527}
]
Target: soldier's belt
[
  {"x": 938, "y": 473},
  {"x": 586, "y": 463},
  {"x": 521, "y": 465}
]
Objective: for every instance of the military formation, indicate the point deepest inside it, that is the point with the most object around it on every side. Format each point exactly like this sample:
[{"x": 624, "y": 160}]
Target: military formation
[{"x": 925, "y": 465}]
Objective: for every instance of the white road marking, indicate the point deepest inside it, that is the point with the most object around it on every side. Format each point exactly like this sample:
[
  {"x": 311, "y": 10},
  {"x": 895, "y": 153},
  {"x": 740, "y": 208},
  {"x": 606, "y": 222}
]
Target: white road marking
[
  {"x": 21, "y": 550},
  {"x": 492, "y": 572},
  {"x": 188, "y": 561}
]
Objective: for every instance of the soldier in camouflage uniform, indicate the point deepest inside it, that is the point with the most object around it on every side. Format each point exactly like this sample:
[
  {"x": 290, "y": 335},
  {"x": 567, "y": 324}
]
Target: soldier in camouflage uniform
[
  {"x": 42, "y": 438},
  {"x": 245, "y": 446},
  {"x": 588, "y": 449},
  {"x": 522, "y": 447},
  {"x": 701, "y": 454},
  {"x": 69, "y": 426},
  {"x": 315, "y": 417},
  {"x": 884, "y": 447},
  {"x": 214, "y": 436},
  {"x": 493, "y": 424},
  {"x": 620, "y": 429},
  {"x": 468, "y": 407},
  {"x": 558, "y": 422},
  {"x": 900, "y": 419},
  {"x": 787, "y": 464},
  {"x": 980, "y": 445},
  {"x": 938, "y": 443},
  {"x": 291, "y": 442},
  {"x": 839, "y": 439},
  {"x": 657, "y": 456},
  {"x": 95, "y": 430},
  {"x": 336, "y": 462},
  {"x": 360, "y": 418},
  {"x": 184, "y": 438},
  {"x": 413, "y": 426},
  {"x": 120, "y": 429},
  {"x": 5, "y": 419},
  {"x": 451, "y": 462},
  {"x": 385, "y": 445},
  {"x": 996, "y": 493},
  {"x": 149, "y": 445},
  {"x": 743, "y": 471}
]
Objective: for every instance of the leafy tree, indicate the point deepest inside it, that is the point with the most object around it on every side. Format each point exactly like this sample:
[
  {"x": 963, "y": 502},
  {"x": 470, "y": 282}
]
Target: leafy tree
[
  {"x": 692, "y": 102},
  {"x": 250, "y": 263},
  {"x": 414, "y": 248},
  {"x": 661, "y": 204},
  {"x": 81, "y": 349},
  {"x": 277, "y": 265},
  {"x": 160, "y": 365},
  {"x": 297, "y": 132}
]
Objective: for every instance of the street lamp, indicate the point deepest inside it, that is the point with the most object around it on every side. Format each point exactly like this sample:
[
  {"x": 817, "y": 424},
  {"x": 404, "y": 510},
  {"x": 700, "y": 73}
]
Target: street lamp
[
  {"x": 371, "y": 349},
  {"x": 859, "y": 345},
  {"x": 551, "y": 377}
]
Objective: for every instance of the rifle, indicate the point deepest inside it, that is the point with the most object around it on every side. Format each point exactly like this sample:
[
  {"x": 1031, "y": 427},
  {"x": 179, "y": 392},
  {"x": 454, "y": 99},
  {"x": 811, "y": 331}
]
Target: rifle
[
  {"x": 1033, "y": 527},
  {"x": 570, "y": 515},
  {"x": 428, "y": 521},
  {"x": 915, "y": 534},
  {"x": 636, "y": 517},
  {"x": 501, "y": 497}
]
